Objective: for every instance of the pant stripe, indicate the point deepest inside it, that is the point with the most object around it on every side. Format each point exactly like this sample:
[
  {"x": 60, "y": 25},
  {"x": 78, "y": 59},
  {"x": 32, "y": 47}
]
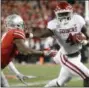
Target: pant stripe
[
  {"x": 76, "y": 67},
  {"x": 63, "y": 61}
]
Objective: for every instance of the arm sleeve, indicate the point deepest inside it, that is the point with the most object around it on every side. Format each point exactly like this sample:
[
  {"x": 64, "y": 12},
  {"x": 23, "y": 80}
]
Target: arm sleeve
[
  {"x": 19, "y": 34},
  {"x": 13, "y": 68},
  {"x": 81, "y": 21},
  {"x": 51, "y": 25}
]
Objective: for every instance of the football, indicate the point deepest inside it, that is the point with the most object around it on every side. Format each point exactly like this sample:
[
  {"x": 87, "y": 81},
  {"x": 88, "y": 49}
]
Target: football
[{"x": 78, "y": 38}]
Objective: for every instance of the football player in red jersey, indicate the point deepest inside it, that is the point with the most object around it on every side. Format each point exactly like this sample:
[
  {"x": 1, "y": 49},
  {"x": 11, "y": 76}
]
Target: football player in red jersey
[{"x": 13, "y": 39}]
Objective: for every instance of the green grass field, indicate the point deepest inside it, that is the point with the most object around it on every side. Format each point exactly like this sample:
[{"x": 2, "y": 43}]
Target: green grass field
[{"x": 44, "y": 74}]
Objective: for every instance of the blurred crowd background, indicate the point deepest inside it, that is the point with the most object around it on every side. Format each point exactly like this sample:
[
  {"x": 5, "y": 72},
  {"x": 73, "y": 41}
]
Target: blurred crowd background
[{"x": 36, "y": 14}]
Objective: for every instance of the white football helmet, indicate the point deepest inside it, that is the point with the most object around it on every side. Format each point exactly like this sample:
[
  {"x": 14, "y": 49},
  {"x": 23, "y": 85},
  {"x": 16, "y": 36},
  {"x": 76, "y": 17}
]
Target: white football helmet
[
  {"x": 14, "y": 21},
  {"x": 63, "y": 12}
]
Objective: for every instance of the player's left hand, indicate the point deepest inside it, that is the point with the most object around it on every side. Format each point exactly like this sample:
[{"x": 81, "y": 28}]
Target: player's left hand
[
  {"x": 51, "y": 53},
  {"x": 22, "y": 77}
]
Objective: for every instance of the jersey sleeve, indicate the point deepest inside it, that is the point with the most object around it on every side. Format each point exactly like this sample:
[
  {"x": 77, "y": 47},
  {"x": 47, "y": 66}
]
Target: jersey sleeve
[
  {"x": 19, "y": 34},
  {"x": 87, "y": 20},
  {"x": 81, "y": 21},
  {"x": 51, "y": 25}
]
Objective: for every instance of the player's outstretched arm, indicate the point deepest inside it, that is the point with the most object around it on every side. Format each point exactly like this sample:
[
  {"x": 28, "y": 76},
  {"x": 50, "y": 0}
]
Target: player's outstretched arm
[
  {"x": 24, "y": 49},
  {"x": 13, "y": 68},
  {"x": 20, "y": 76},
  {"x": 43, "y": 33}
]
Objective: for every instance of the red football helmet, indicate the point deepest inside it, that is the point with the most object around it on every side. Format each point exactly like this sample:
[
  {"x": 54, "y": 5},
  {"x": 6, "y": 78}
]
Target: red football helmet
[{"x": 63, "y": 11}]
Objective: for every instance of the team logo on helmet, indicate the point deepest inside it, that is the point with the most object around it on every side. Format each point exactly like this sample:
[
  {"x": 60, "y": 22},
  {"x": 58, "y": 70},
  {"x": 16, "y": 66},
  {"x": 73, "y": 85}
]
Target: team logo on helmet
[
  {"x": 14, "y": 21},
  {"x": 63, "y": 12}
]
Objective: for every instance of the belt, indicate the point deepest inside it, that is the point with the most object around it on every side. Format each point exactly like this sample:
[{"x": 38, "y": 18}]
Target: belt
[{"x": 73, "y": 54}]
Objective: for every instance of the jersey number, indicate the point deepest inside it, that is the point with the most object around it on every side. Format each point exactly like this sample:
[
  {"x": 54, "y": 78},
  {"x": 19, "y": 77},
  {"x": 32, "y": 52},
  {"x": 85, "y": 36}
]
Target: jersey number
[{"x": 70, "y": 39}]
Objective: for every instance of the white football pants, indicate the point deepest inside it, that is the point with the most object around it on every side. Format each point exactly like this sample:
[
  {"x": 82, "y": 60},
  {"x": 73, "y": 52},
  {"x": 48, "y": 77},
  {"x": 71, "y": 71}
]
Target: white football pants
[{"x": 70, "y": 66}]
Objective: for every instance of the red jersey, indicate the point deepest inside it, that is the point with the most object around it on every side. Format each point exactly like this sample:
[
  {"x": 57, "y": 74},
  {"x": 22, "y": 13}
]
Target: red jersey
[{"x": 8, "y": 48}]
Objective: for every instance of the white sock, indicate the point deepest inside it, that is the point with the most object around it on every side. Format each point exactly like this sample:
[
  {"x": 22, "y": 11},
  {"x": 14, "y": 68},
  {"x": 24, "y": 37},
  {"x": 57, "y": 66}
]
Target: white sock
[{"x": 52, "y": 83}]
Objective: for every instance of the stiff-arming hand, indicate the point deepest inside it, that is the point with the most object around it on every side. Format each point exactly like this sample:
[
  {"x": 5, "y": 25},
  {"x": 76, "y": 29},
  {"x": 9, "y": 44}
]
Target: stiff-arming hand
[{"x": 52, "y": 53}]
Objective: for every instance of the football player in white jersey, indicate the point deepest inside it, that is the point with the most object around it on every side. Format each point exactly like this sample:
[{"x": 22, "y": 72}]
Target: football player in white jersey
[{"x": 67, "y": 28}]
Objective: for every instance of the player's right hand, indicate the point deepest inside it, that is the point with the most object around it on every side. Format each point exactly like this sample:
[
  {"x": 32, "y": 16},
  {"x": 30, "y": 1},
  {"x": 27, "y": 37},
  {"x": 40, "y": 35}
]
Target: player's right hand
[{"x": 22, "y": 77}]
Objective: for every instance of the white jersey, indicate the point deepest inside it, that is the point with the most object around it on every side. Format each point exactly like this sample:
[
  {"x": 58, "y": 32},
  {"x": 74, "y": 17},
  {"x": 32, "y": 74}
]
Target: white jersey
[
  {"x": 62, "y": 32},
  {"x": 87, "y": 20}
]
